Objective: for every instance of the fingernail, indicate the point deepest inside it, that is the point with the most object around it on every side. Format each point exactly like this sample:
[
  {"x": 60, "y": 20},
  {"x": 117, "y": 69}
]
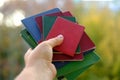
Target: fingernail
[{"x": 60, "y": 36}]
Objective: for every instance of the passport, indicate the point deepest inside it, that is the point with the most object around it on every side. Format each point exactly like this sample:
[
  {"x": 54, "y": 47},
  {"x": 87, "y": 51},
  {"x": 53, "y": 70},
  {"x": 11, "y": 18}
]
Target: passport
[
  {"x": 28, "y": 38},
  {"x": 67, "y": 13},
  {"x": 74, "y": 66},
  {"x": 63, "y": 57},
  {"x": 72, "y": 33},
  {"x": 59, "y": 64},
  {"x": 74, "y": 75},
  {"x": 86, "y": 44},
  {"x": 48, "y": 22},
  {"x": 32, "y": 26}
]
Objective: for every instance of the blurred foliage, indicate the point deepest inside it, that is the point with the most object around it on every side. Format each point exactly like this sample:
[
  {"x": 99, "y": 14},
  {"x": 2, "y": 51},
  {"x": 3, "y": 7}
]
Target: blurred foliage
[
  {"x": 11, "y": 52},
  {"x": 104, "y": 28},
  {"x": 102, "y": 25}
]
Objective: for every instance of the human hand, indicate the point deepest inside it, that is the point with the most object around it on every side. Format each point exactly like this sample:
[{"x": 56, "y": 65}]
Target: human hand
[{"x": 38, "y": 64}]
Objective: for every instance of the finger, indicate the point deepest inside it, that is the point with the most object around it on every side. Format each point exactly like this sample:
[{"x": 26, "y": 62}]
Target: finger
[{"x": 55, "y": 41}]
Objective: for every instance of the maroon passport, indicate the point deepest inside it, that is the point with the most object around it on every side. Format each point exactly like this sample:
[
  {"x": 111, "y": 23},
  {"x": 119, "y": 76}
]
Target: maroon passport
[
  {"x": 72, "y": 33},
  {"x": 67, "y": 13},
  {"x": 63, "y": 57},
  {"x": 86, "y": 43}
]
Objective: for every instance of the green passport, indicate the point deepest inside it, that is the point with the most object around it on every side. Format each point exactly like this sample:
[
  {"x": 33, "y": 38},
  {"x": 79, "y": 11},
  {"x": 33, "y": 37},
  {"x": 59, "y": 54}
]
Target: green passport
[
  {"x": 73, "y": 69},
  {"x": 28, "y": 38},
  {"x": 73, "y": 75},
  {"x": 48, "y": 22}
]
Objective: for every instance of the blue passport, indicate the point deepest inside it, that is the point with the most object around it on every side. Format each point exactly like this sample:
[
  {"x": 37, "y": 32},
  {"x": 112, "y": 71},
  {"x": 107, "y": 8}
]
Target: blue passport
[
  {"x": 31, "y": 24},
  {"x": 60, "y": 64}
]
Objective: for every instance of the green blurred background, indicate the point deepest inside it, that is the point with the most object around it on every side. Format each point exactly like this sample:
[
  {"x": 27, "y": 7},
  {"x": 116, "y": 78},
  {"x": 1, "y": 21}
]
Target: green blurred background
[{"x": 100, "y": 18}]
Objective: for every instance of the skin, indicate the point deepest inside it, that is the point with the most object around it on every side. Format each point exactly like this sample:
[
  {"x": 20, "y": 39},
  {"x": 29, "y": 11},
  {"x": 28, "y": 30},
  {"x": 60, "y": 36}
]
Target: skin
[{"x": 38, "y": 62}]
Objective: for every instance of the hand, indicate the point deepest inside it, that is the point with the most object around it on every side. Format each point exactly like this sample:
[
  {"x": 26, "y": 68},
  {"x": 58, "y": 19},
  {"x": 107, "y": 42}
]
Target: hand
[{"x": 38, "y": 64}]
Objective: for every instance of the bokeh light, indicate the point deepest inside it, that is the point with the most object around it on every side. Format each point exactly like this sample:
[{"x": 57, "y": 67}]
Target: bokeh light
[
  {"x": 2, "y": 2},
  {"x": 1, "y": 17},
  {"x": 18, "y": 15}
]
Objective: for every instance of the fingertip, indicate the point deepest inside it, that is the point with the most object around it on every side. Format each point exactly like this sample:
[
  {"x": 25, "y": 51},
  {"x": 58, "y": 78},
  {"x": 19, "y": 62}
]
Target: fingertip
[
  {"x": 60, "y": 36},
  {"x": 59, "y": 39},
  {"x": 56, "y": 41}
]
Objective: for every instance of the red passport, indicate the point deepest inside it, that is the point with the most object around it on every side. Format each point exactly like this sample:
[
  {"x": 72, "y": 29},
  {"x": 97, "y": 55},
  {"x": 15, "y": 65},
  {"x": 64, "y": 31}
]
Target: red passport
[
  {"x": 67, "y": 13},
  {"x": 72, "y": 33},
  {"x": 63, "y": 57},
  {"x": 86, "y": 43}
]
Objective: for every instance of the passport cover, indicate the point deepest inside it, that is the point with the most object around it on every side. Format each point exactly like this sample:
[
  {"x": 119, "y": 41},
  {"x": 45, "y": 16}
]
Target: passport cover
[
  {"x": 59, "y": 64},
  {"x": 67, "y": 13},
  {"x": 28, "y": 38},
  {"x": 63, "y": 57},
  {"x": 66, "y": 27},
  {"x": 74, "y": 75},
  {"x": 86, "y": 44},
  {"x": 31, "y": 25},
  {"x": 48, "y": 22},
  {"x": 89, "y": 59}
]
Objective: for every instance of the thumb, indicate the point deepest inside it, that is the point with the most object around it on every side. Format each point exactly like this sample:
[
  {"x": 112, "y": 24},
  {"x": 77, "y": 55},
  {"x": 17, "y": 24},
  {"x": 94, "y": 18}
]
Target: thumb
[{"x": 55, "y": 41}]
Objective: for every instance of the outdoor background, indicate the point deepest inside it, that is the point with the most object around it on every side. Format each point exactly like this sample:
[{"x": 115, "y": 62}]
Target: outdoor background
[{"x": 100, "y": 18}]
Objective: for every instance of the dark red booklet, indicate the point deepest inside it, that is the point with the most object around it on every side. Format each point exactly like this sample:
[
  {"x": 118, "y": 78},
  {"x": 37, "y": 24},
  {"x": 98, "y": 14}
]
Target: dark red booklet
[
  {"x": 63, "y": 57},
  {"x": 72, "y": 33},
  {"x": 67, "y": 13},
  {"x": 86, "y": 44}
]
